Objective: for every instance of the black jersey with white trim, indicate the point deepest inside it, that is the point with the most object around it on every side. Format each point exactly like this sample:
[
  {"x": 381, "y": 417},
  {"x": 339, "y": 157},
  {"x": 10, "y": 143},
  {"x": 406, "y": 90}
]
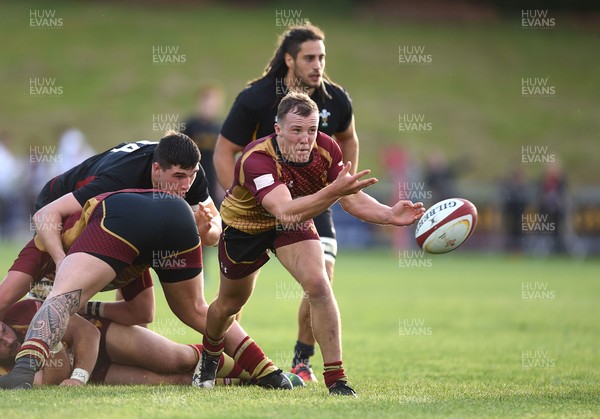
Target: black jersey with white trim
[
  {"x": 126, "y": 166},
  {"x": 252, "y": 115}
]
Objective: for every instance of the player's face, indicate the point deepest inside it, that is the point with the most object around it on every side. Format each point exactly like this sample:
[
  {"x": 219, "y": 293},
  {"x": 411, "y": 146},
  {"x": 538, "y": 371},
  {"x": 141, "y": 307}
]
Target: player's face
[
  {"x": 296, "y": 136},
  {"x": 9, "y": 344},
  {"x": 309, "y": 65},
  {"x": 174, "y": 179}
]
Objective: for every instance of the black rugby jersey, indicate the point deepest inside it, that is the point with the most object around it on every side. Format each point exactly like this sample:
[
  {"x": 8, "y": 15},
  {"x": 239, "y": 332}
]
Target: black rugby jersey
[
  {"x": 253, "y": 113},
  {"x": 126, "y": 166}
]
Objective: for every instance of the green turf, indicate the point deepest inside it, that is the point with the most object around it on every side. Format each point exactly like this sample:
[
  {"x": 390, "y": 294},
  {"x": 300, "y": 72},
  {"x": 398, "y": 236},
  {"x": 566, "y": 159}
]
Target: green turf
[
  {"x": 454, "y": 337},
  {"x": 470, "y": 93}
]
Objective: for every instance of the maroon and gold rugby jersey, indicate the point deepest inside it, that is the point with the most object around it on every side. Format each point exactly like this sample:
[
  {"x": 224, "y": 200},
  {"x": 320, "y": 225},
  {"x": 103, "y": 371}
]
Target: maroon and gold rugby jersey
[{"x": 261, "y": 168}]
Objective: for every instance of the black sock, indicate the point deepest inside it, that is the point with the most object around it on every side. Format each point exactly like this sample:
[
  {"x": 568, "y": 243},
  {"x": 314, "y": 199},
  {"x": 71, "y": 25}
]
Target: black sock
[
  {"x": 302, "y": 353},
  {"x": 22, "y": 374}
]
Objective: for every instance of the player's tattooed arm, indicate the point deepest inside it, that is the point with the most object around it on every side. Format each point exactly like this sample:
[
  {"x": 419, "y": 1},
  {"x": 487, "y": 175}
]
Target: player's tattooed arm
[{"x": 50, "y": 322}]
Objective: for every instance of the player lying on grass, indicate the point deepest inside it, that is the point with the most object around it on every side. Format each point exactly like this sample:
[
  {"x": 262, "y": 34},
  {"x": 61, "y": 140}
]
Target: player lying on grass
[
  {"x": 281, "y": 182},
  {"x": 118, "y": 236},
  {"x": 81, "y": 337},
  {"x": 171, "y": 164},
  {"x": 125, "y": 354}
]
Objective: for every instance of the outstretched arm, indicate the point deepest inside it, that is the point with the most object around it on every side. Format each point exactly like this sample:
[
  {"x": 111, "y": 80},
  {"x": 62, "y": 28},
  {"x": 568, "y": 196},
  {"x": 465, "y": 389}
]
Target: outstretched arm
[
  {"x": 279, "y": 201},
  {"x": 367, "y": 208}
]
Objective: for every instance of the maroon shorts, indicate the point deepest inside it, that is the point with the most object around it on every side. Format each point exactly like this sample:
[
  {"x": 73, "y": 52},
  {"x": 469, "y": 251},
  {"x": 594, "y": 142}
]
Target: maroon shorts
[
  {"x": 135, "y": 287},
  {"x": 33, "y": 261},
  {"x": 241, "y": 254}
]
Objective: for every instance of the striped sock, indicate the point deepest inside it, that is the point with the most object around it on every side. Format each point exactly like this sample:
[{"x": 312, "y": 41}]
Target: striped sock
[
  {"x": 228, "y": 368},
  {"x": 251, "y": 358},
  {"x": 334, "y": 371},
  {"x": 35, "y": 349},
  {"x": 213, "y": 347}
]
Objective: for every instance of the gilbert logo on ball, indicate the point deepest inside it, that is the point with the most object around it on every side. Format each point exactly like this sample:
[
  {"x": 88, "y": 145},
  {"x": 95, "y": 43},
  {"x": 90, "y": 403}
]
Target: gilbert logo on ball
[{"x": 446, "y": 225}]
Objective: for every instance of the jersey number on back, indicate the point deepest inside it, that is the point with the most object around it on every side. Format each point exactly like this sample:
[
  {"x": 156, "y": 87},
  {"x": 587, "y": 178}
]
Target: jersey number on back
[{"x": 129, "y": 147}]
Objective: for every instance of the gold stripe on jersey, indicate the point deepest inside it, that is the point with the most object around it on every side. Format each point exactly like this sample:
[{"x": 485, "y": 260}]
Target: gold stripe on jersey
[
  {"x": 240, "y": 209},
  {"x": 266, "y": 146},
  {"x": 326, "y": 154},
  {"x": 71, "y": 234}
]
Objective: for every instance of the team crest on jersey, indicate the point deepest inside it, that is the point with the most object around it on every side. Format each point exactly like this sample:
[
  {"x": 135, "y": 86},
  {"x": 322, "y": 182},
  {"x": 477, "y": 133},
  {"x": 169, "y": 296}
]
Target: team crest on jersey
[{"x": 324, "y": 115}]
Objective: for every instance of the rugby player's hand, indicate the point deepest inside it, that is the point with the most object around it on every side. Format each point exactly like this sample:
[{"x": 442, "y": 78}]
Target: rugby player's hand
[
  {"x": 69, "y": 382},
  {"x": 406, "y": 212},
  {"x": 348, "y": 184},
  {"x": 203, "y": 218}
]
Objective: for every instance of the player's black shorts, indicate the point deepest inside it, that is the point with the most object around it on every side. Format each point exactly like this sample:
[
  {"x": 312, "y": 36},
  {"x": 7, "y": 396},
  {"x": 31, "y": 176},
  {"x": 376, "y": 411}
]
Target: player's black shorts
[
  {"x": 144, "y": 229},
  {"x": 324, "y": 224},
  {"x": 326, "y": 229}
]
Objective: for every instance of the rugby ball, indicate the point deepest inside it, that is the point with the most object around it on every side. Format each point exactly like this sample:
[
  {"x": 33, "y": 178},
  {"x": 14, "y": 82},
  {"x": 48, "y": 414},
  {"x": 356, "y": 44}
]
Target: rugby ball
[{"x": 446, "y": 225}]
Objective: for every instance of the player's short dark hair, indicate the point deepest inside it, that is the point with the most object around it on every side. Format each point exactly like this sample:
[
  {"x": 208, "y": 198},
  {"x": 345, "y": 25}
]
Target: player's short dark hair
[
  {"x": 298, "y": 103},
  {"x": 176, "y": 149}
]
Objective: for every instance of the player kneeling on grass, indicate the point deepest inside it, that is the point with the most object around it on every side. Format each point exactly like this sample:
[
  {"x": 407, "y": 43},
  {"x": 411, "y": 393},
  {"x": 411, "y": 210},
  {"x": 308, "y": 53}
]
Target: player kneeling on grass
[
  {"x": 120, "y": 235},
  {"x": 125, "y": 354},
  {"x": 281, "y": 182}
]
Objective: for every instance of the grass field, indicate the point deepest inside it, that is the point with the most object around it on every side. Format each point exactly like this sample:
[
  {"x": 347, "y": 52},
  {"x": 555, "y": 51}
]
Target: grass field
[{"x": 462, "y": 335}]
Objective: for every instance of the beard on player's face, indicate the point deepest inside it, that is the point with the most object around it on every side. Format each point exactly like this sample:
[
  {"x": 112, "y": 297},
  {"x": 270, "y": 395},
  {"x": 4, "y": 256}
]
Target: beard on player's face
[{"x": 306, "y": 81}]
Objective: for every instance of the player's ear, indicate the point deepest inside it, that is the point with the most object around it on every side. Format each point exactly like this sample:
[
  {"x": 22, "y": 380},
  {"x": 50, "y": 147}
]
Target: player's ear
[
  {"x": 289, "y": 60},
  {"x": 156, "y": 169}
]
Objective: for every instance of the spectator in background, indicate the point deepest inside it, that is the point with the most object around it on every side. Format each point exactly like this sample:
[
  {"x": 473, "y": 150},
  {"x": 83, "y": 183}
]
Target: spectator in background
[
  {"x": 11, "y": 170},
  {"x": 404, "y": 185},
  {"x": 439, "y": 176},
  {"x": 553, "y": 203},
  {"x": 515, "y": 197},
  {"x": 203, "y": 128},
  {"x": 48, "y": 161},
  {"x": 72, "y": 149}
]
